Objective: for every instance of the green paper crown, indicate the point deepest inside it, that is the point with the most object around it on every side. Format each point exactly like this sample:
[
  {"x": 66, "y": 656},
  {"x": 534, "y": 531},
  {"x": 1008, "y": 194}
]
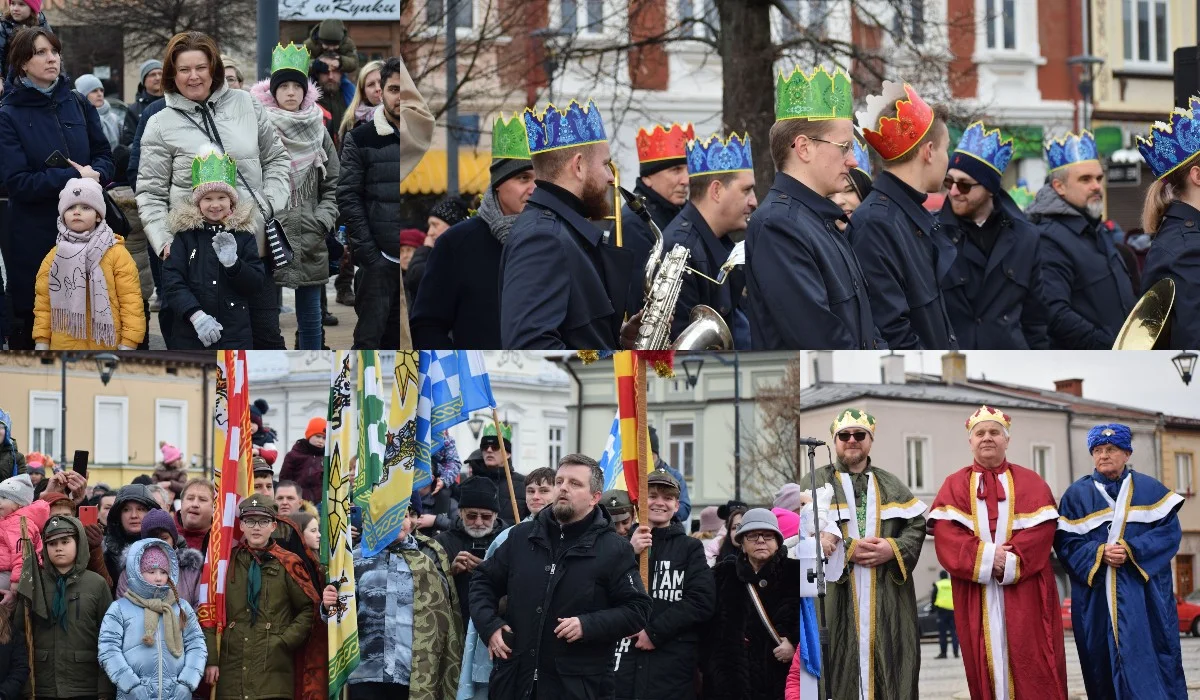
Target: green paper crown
[
  {"x": 290, "y": 56},
  {"x": 817, "y": 97},
  {"x": 214, "y": 167},
  {"x": 489, "y": 430},
  {"x": 509, "y": 139}
]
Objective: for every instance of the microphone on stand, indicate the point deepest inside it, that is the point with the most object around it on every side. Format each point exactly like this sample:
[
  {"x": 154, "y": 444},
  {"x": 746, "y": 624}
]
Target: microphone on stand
[
  {"x": 818, "y": 576},
  {"x": 811, "y": 442}
]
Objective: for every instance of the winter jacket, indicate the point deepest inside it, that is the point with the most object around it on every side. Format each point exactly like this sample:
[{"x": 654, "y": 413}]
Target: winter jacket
[
  {"x": 124, "y": 300},
  {"x": 638, "y": 238},
  {"x": 36, "y": 514},
  {"x": 904, "y": 254},
  {"x": 143, "y": 672},
  {"x": 684, "y": 599},
  {"x": 32, "y": 128},
  {"x": 456, "y": 305},
  {"x": 1175, "y": 253},
  {"x": 12, "y": 462},
  {"x": 187, "y": 584},
  {"x": 133, "y": 114},
  {"x": 176, "y": 134},
  {"x": 307, "y": 224},
  {"x": 347, "y": 50},
  {"x": 65, "y": 660},
  {"x": 256, "y": 659},
  {"x": 14, "y": 664},
  {"x": 178, "y": 476},
  {"x": 194, "y": 280},
  {"x": 116, "y": 540},
  {"x": 135, "y": 149},
  {"x": 1086, "y": 284},
  {"x": 9, "y": 29},
  {"x": 741, "y": 664},
  {"x": 587, "y": 571},
  {"x": 444, "y": 506},
  {"x": 995, "y": 301},
  {"x": 706, "y": 254},
  {"x": 456, "y": 540},
  {"x": 305, "y": 465},
  {"x": 416, "y": 271}
]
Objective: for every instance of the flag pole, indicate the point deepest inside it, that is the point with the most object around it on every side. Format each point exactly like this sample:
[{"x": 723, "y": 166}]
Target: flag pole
[
  {"x": 512, "y": 494},
  {"x": 643, "y": 454},
  {"x": 212, "y": 692},
  {"x": 27, "y": 548}
]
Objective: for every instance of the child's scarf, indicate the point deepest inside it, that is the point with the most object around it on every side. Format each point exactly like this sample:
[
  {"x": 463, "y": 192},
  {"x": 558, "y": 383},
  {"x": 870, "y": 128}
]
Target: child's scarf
[
  {"x": 156, "y": 609},
  {"x": 303, "y": 135},
  {"x": 76, "y": 278}
]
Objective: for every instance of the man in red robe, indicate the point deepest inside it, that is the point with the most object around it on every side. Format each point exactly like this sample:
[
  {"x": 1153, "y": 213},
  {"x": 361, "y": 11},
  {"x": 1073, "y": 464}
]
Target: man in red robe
[{"x": 993, "y": 526}]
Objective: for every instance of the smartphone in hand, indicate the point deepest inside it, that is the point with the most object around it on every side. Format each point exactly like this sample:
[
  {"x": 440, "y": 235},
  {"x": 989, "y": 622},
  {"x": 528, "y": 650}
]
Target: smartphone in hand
[
  {"x": 80, "y": 463},
  {"x": 89, "y": 515},
  {"x": 57, "y": 160}
]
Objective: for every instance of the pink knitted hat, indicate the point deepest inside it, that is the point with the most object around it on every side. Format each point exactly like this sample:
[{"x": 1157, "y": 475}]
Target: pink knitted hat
[
  {"x": 154, "y": 558},
  {"x": 81, "y": 190},
  {"x": 170, "y": 453}
]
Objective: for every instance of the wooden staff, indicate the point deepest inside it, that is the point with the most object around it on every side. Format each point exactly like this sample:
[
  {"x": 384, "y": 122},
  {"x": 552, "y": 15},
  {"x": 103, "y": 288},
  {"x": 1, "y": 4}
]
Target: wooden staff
[
  {"x": 27, "y": 548},
  {"x": 212, "y": 692},
  {"x": 643, "y": 459},
  {"x": 512, "y": 494}
]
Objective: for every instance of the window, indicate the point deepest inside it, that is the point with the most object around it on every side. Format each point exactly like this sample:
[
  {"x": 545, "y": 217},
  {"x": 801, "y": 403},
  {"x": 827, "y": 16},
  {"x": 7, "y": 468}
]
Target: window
[
  {"x": 918, "y": 462},
  {"x": 909, "y": 21},
  {"x": 698, "y": 18},
  {"x": 810, "y": 14},
  {"x": 111, "y": 439},
  {"x": 45, "y": 418},
  {"x": 555, "y": 441},
  {"x": 1146, "y": 33},
  {"x": 1041, "y": 460},
  {"x": 681, "y": 446},
  {"x": 1183, "y": 472},
  {"x": 170, "y": 424},
  {"x": 1001, "y": 19},
  {"x": 435, "y": 14},
  {"x": 588, "y": 14}
]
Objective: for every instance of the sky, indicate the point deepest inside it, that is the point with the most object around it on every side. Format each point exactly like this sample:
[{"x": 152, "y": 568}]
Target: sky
[{"x": 1146, "y": 380}]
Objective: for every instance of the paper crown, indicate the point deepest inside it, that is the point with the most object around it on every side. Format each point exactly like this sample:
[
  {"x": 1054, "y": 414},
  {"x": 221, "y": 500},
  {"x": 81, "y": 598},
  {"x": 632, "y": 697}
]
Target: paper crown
[
  {"x": 1022, "y": 196},
  {"x": 715, "y": 156},
  {"x": 862, "y": 157},
  {"x": 1070, "y": 149},
  {"x": 817, "y": 97},
  {"x": 853, "y": 418},
  {"x": 509, "y": 139},
  {"x": 660, "y": 143},
  {"x": 1171, "y": 144},
  {"x": 554, "y": 128},
  {"x": 892, "y": 137},
  {"x": 213, "y": 167},
  {"x": 986, "y": 146},
  {"x": 489, "y": 430},
  {"x": 987, "y": 413},
  {"x": 290, "y": 57}
]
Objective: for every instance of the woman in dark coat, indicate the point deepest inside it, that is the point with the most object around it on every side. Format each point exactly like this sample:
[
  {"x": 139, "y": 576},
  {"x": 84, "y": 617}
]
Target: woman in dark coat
[{"x": 41, "y": 116}]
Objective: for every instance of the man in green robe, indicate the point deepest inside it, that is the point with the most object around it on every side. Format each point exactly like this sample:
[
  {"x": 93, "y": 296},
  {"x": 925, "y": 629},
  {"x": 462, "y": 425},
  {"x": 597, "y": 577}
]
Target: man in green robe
[{"x": 871, "y": 607}]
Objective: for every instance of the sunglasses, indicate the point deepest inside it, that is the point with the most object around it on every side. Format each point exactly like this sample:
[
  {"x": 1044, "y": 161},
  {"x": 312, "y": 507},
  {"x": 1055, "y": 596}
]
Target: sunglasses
[
  {"x": 963, "y": 187},
  {"x": 859, "y": 435}
]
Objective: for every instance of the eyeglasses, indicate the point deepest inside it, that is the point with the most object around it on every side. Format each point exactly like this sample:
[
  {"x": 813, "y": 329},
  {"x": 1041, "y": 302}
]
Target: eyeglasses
[
  {"x": 257, "y": 522},
  {"x": 858, "y": 435},
  {"x": 481, "y": 517},
  {"x": 843, "y": 147},
  {"x": 762, "y": 536},
  {"x": 963, "y": 187}
]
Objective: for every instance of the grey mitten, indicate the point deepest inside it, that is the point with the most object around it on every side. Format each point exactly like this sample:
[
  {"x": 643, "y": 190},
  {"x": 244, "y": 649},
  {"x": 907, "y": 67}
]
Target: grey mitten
[
  {"x": 225, "y": 246},
  {"x": 207, "y": 328},
  {"x": 41, "y": 346}
]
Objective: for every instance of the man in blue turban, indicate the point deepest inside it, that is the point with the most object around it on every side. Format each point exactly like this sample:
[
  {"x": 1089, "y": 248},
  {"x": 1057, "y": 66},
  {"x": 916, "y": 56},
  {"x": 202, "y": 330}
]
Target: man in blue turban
[{"x": 1117, "y": 532}]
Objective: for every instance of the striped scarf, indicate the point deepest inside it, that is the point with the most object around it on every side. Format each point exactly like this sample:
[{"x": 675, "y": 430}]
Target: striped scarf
[{"x": 77, "y": 285}]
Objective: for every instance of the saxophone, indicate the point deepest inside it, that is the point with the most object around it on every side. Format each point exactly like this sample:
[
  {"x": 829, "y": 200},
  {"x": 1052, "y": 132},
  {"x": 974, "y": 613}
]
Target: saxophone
[{"x": 663, "y": 279}]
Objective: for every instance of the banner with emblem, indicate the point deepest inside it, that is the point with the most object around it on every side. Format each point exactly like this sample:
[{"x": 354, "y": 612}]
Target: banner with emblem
[
  {"x": 336, "y": 543},
  {"x": 454, "y": 383}
]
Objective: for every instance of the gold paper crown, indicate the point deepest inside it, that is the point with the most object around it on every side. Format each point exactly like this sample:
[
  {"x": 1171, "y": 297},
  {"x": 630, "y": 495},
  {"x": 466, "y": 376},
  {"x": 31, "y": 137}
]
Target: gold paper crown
[
  {"x": 853, "y": 418},
  {"x": 987, "y": 413}
]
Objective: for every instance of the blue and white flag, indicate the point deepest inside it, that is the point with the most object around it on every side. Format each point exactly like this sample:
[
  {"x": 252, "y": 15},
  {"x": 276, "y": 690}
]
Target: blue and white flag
[
  {"x": 453, "y": 384},
  {"x": 610, "y": 460}
]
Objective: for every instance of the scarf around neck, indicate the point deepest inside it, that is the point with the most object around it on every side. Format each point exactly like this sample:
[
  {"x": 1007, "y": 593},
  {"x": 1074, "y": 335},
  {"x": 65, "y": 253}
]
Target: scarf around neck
[
  {"x": 364, "y": 113},
  {"x": 47, "y": 91},
  {"x": 156, "y": 609},
  {"x": 990, "y": 490},
  {"x": 498, "y": 223},
  {"x": 77, "y": 283},
  {"x": 303, "y": 135}
]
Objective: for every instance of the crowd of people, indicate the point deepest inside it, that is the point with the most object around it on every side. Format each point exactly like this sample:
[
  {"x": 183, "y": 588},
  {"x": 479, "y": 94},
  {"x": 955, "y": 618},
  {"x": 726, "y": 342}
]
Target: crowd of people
[
  {"x": 539, "y": 592},
  {"x": 196, "y": 204}
]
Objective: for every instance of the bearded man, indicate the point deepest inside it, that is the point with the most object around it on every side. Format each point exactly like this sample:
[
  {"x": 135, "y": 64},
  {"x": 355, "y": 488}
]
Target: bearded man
[{"x": 467, "y": 542}]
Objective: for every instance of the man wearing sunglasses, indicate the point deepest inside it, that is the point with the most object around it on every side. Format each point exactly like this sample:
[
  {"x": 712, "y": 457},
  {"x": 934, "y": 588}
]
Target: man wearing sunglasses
[
  {"x": 994, "y": 288},
  {"x": 493, "y": 469},
  {"x": 881, "y": 525}
]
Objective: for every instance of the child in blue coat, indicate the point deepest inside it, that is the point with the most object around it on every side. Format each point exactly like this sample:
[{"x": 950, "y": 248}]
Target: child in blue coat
[{"x": 151, "y": 645}]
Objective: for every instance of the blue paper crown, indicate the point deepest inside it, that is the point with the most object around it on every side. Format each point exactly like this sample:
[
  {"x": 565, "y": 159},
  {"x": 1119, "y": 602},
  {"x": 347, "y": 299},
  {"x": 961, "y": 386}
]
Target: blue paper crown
[
  {"x": 862, "y": 157},
  {"x": 554, "y": 128},
  {"x": 986, "y": 146},
  {"x": 1070, "y": 149},
  {"x": 1172, "y": 144},
  {"x": 715, "y": 156}
]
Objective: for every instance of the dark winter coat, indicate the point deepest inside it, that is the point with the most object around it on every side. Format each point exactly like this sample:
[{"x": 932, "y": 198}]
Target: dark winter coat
[
  {"x": 178, "y": 476},
  {"x": 457, "y": 305},
  {"x": 256, "y": 659},
  {"x": 305, "y": 465},
  {"x": 561, "y": 285},
  {"x": 804, "y": 286},
  {"x": 588, "y": 572},
  {"x": 1175, "y": 253},
  {"x": 1086, "y": 284},
  {"x": 443, "y": 506},
  {"x": 133, "y": 114},
  {"x": 684, "y": 599},
  {"x": 116, "y": 540},
  {"x": 14, "y": 664},
  {"x": 416, "y": 271},
  {"x": 194, "y": 280},
  {"x": 456, "y": 540},
  {"x": 995, "y": 301},
  {"x": 12, "y": 462},
  {"x": 135, "y": 149},
  {"x": 639, "y": 240},
  {"x": 904, "y": 253},
  {"x": 368, "y": 193},
  {"x": 706, "y": 254},
  {"x": 741, "y": 665},
  {"x": 32, "y": 127}
]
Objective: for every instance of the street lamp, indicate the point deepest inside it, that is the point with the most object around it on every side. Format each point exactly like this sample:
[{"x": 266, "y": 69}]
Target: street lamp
[
  {"x": 106, "y": 365},
  {"x": 693, "y": 375},
  {"x": 692, "y": 364},
  {"x": 1088, "y": 65},
  {"x": 1184, "y": 363},
  {"x": 476, "y": 425}
]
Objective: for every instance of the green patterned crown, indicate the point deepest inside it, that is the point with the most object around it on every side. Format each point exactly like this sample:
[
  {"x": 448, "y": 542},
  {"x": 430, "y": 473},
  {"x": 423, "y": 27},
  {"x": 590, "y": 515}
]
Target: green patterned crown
[
  {"x": 290, "y": 56},
  {"x": 509, "y": 139},
  {"x": 818, "y": 96},
  {"x": 214, "y": 167}
]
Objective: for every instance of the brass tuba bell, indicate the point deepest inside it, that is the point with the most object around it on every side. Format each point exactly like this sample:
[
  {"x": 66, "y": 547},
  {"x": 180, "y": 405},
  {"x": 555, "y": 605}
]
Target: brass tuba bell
[{"x": 1148, "y": 326}]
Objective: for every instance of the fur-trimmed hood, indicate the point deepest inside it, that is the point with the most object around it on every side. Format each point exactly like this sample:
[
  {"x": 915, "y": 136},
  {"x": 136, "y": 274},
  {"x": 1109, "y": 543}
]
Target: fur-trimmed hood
[
  {"x": 189, "y": 558},
  {"x": 382, "y": 126},
  {"x": 262, "y": 92},
  {"x": 185, "y": 216}
]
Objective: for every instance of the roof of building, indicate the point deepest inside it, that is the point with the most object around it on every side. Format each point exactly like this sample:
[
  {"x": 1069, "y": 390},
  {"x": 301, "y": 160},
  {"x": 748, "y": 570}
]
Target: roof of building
[
  {"x": 838, "y": 392},
  {"x": 1075, "y": 403}
]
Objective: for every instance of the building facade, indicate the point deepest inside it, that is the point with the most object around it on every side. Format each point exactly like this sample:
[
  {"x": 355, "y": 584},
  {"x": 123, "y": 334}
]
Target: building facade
[{"x": 1180, "y": 452}]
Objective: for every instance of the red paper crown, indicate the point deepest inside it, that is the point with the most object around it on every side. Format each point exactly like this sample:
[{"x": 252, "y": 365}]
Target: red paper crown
[
  {"x": 894, "y": 137},
  {"x": 662, "y": 144}
]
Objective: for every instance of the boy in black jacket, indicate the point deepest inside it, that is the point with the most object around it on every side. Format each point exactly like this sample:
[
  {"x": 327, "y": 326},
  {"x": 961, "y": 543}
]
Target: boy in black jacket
[{"x": 213, "y": 266}]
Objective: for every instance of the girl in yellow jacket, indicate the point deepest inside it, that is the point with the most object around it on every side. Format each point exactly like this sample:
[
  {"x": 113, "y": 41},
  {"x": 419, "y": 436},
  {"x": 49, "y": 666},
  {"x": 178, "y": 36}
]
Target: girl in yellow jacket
[{"x": 88, "y": 293}]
